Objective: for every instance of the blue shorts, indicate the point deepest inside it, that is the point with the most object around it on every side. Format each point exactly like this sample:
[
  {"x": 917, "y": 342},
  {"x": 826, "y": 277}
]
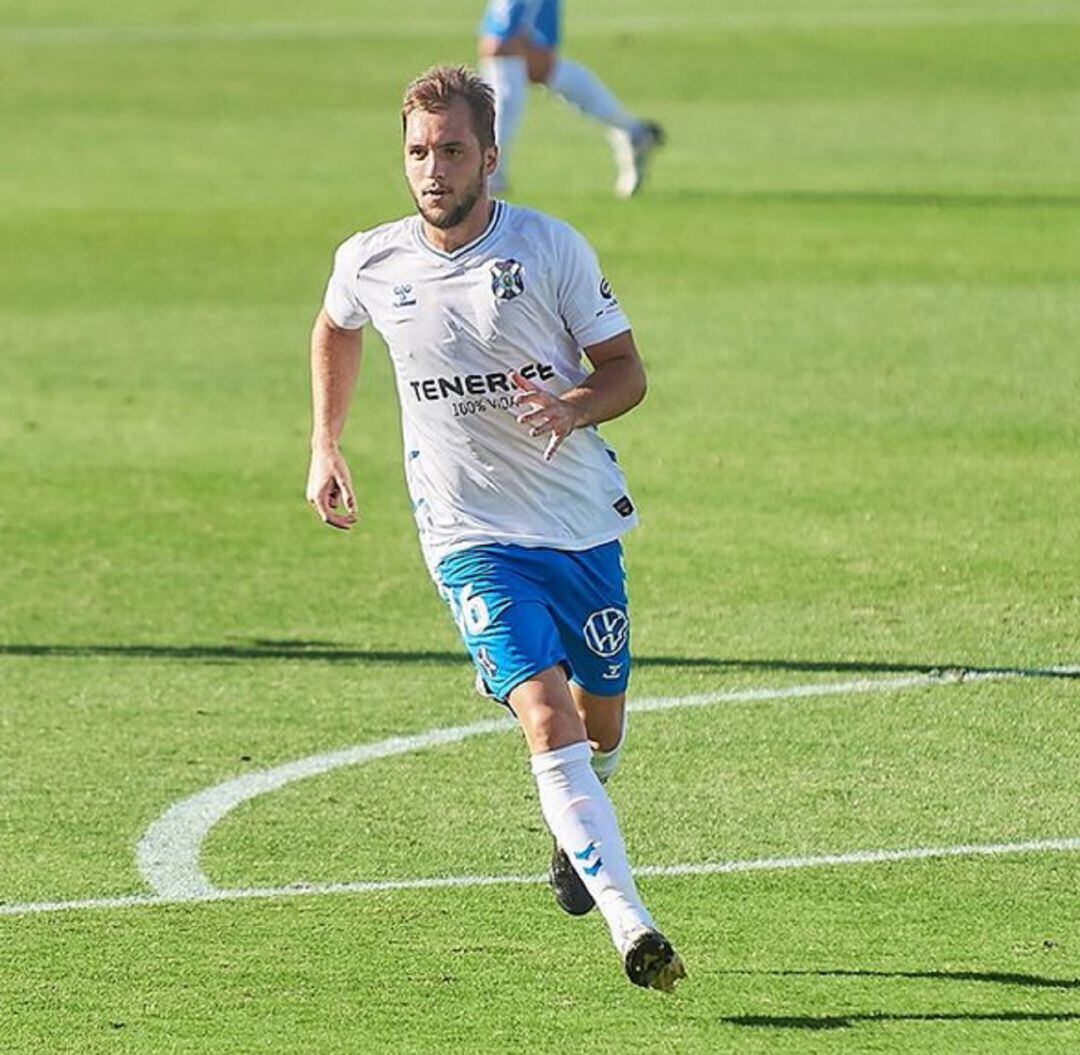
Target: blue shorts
[
  {"x": 522, "y": 610},
  {"x": 538, "y": 20}
]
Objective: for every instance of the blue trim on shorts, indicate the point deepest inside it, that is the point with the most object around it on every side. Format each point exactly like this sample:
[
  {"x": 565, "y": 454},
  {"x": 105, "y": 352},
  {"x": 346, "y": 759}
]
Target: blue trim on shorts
[{"x": 539, "y": 20}]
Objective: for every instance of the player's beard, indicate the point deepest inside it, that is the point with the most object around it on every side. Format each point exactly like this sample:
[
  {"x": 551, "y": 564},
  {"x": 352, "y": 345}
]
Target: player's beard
[{"x": 469, "y": 197}]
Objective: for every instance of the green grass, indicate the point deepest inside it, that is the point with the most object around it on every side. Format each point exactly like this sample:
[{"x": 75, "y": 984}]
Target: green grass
[{"x": 853, "y": 280}]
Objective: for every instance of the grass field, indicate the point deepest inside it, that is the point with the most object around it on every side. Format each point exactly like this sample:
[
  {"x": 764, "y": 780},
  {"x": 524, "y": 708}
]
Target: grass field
[{"x": 853, "y": 277}]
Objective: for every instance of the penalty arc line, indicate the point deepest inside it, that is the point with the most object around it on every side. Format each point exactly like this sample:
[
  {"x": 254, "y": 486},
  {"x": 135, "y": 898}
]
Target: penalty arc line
[
  {"x": 169, "y": 851},
  {"x": 168, "y": 854}
]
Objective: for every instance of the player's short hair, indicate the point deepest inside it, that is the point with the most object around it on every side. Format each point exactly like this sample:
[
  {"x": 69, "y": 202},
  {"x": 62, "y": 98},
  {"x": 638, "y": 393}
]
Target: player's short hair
[{"x": 435, "y": 89}]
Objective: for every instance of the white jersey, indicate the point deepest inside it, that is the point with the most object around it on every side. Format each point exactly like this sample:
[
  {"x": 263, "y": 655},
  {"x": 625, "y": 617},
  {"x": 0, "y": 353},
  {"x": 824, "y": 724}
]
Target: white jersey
[{"x": 527, "y": 295}]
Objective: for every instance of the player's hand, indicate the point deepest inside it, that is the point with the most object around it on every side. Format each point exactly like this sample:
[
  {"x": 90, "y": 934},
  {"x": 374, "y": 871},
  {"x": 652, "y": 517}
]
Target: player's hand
[
  {"x": 330, "y": 489},
  {"x": 544, "y": 413}
]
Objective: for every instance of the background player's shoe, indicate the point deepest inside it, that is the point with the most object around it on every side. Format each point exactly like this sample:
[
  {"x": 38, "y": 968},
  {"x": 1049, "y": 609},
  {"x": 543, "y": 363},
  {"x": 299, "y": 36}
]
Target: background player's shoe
[
  {"x": 632, "y": 152},
  {"x": 652, "y": 963},
  {"x": 569, "y": 890}
]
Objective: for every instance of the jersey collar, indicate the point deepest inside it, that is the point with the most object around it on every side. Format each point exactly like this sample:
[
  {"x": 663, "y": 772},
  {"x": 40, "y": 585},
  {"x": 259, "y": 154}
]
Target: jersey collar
[{"x": 470, "y": 247}]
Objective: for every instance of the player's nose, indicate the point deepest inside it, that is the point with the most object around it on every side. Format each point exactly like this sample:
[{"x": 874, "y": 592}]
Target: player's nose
[{"x": 432, "y": 166}]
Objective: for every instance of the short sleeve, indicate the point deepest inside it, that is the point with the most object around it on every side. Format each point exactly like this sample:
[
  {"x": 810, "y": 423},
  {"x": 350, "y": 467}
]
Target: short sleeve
[
  {"x": 586, "y": 301},
  {"x": 342, "y": 301}
]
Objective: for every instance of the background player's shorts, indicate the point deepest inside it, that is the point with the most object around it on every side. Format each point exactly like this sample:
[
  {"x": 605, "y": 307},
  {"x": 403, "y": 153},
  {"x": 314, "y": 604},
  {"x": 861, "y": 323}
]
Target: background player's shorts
[
  {"x": 536, "y": 19},
  {"x": 521, "y": 610}
]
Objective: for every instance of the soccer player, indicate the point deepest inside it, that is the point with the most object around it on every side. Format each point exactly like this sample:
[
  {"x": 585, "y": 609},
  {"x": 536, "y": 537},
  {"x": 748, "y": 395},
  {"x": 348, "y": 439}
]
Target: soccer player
[
  {"x": 519, "y": 41},
  {"x": 486, "y": 309}
]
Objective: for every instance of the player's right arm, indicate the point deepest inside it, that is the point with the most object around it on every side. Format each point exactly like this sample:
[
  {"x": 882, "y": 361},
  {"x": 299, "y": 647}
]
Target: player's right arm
[{"x": 335, "y": 365}]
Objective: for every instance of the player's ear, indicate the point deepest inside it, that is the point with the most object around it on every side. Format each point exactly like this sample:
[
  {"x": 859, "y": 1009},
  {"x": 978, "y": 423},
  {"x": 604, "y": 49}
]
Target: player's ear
[{"x": 491, "y": 159}]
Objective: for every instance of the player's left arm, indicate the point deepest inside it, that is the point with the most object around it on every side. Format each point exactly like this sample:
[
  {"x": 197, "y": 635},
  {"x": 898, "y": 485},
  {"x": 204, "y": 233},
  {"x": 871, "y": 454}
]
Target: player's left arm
[{"x": 615, "y": 385}]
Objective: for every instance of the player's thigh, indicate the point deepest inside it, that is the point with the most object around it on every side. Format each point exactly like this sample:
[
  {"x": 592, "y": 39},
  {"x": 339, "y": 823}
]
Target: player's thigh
[
  {"x": 489, "y": 46},
  {"x": 543, "y": 34},
  {"x": 545, "y": 28},
  {"x": 507, "y": 24},
  {"x": 589, "y": 605},
  {"x": 502, "y": 615},
  {"x": 523, "y": 27},
  {"x": 547, "y": 712}
]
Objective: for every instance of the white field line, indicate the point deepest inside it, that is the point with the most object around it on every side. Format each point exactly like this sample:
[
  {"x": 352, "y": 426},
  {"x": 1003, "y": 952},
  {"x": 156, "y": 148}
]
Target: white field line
[
  {"x": 767, "y": 864},
  {"x": 864, "y": 857},
  {"x": 585, "y": 24},
  {"x": 168, "y": 853},
  {"x": 840, "y": 688}
]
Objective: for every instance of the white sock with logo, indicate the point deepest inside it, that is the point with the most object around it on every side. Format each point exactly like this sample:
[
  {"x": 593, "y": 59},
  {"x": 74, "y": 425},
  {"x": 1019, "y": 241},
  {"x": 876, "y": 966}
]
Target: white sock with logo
[
  {"x": 579, "y": 814},
  {"x": 509, "y": 77},
  {"x": 581, "y": 88}
]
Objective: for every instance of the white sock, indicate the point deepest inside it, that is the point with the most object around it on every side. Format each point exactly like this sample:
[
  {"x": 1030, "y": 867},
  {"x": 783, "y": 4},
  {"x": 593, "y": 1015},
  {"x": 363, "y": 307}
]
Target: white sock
[
  {"x": 604, "y": 763},
  {"x": 580, "y": 816},
  {"x": 580, "y": 87},
  {"x": 509, "y": 77}
]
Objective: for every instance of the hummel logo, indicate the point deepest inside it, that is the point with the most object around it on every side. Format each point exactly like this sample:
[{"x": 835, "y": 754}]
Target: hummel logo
[
  {"x": 586, "y": 853},
  {"x": 403, "y": 296},
  {"x": 483, "y": 657},
  {"x": 593, "y": 869}
]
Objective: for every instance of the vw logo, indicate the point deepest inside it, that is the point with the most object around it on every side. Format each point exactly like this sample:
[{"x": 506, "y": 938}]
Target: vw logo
[{"x": 606, "y": 631}]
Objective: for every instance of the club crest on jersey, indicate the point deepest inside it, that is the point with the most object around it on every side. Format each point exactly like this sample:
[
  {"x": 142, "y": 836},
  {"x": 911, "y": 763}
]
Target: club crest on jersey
[
  {"x": 507, "y": 279},
  {"x": 403, "y": 296},
  {"x": 606, "y": 631}
]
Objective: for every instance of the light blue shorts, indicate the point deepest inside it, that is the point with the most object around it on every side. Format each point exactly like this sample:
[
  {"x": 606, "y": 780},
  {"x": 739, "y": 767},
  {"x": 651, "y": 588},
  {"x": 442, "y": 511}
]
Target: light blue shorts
[
  {"x": 522, "y": 610},
  {"x": 536, "y": 19}
]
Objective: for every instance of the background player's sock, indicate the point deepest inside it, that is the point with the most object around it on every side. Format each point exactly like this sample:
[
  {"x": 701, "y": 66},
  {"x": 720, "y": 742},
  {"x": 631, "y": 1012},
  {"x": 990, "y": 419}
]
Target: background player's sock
[
  {"x": 580, "y": 87},
  {"x": 580, "y": 816},
  {"x": 604, "y": 763},
  {"x": 509, "y": 77}
]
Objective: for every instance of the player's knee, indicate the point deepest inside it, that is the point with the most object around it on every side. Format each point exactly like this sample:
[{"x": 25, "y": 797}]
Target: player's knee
[
  {"x": 547, "y": 714},
  {"x": 489, "y": 46},
  {"x": 547, "y": 728},
  {"x": 540, "y": 63}
]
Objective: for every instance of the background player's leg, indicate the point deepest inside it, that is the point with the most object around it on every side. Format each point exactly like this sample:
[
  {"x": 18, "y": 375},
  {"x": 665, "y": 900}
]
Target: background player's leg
[
  {"x": 504, "y": 66},
  {"x": 583, "y": 89},
  {"x": 632, "y": 139}
]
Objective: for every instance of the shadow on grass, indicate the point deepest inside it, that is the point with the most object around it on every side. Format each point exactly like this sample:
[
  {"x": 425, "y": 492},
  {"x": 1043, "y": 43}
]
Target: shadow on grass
[
  {"x": 825, "y": 1022},
  {"x": 333, "y": 652},
  {"x": 822, "y": 1022},
  {"x": 1034, "y": 981}
]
